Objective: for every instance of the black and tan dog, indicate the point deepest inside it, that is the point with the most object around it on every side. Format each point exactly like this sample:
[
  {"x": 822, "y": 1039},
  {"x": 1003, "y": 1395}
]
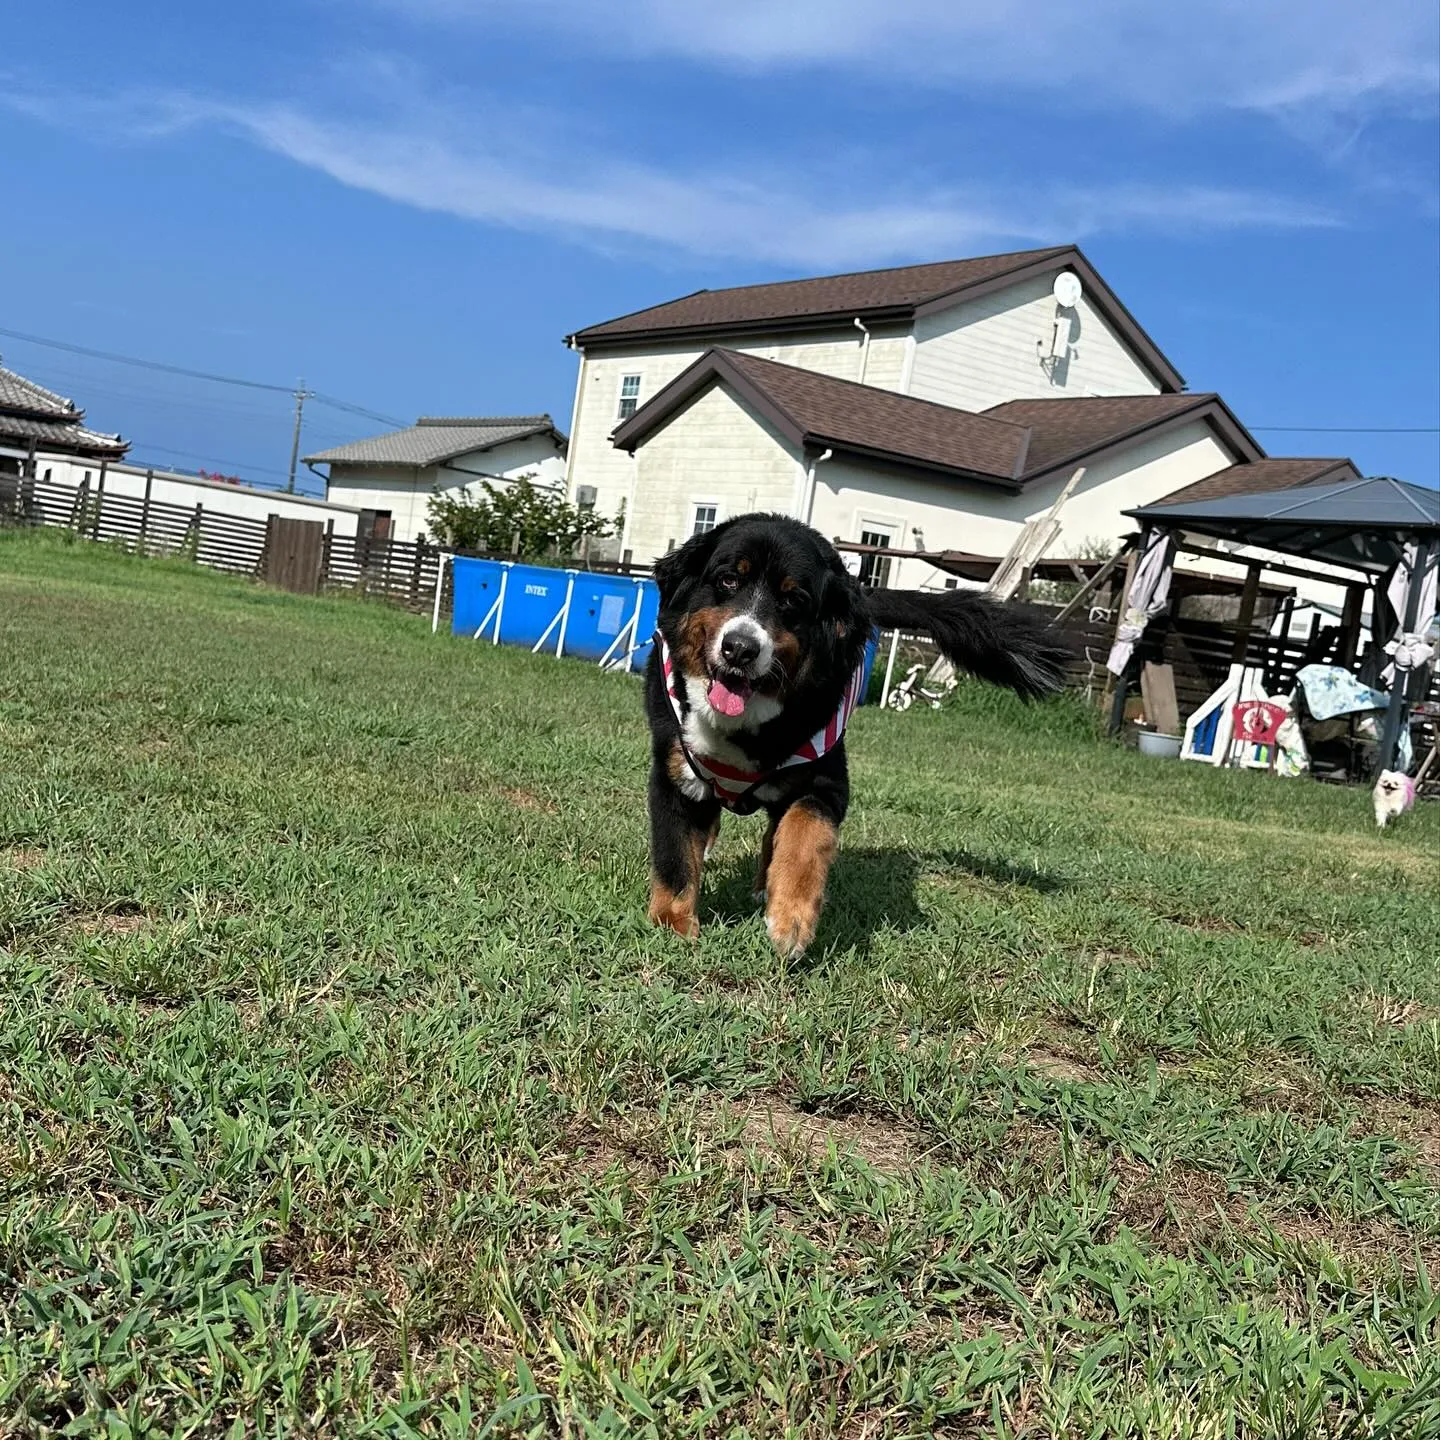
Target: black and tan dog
[{"x": 756, "y": 668}]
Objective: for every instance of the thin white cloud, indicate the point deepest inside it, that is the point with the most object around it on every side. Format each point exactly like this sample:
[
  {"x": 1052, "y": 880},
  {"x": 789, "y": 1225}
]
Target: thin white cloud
[
  {"x": 1277, "y": 56},
  {"x": 501, "y": 168}
]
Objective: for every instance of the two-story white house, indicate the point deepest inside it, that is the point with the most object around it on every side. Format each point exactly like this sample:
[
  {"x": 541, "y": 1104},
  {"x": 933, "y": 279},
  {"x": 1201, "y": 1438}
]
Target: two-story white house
[{"x": 927, "y": 407}]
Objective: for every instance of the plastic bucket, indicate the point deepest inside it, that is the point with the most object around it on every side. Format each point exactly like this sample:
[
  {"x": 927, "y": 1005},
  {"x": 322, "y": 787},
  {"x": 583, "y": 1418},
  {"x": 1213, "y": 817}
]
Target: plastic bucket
[{"x": 1164, "y": 747}]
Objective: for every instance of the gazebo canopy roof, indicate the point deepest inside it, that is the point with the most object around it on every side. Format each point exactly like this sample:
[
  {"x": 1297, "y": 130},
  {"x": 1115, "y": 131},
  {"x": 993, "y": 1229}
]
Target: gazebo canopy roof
[{"x": 1360, "y": 524}]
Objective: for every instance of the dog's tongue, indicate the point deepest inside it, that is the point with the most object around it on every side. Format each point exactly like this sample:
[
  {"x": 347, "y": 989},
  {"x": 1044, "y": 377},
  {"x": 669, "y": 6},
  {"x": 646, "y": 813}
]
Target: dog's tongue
[{"x": 727, "y": 701}]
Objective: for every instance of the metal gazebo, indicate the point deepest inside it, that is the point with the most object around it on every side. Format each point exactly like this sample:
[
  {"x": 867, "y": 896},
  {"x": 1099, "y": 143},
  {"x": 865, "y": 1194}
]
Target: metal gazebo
[{"x": 1374, "y": 526}]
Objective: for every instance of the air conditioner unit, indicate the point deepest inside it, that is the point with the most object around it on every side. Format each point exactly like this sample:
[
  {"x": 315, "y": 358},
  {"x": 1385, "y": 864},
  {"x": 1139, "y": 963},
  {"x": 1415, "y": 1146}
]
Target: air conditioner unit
[{"x": 585, "y": 496}]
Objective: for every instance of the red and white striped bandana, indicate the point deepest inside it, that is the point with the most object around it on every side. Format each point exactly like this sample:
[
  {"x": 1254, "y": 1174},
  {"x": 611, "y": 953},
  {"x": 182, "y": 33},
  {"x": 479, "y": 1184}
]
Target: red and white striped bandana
[{"x": 730, "y": 785}]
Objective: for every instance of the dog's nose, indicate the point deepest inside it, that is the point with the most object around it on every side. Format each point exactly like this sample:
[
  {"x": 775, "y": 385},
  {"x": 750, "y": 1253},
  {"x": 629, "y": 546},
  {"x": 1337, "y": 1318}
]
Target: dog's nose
[{"x": 740, "y": 648}]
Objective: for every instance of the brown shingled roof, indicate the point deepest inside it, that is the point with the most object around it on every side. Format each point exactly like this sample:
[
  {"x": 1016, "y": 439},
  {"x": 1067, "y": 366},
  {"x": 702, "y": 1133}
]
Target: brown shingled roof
[
  {"x": 898, "y": 294},
  {"x": 858, "y": 293},
  {"x": 1262, "y": 475},
  {"x": 1067, "y": 429},
  {"x": 1011, "y": 445},
  {"x": 821, "y": 411}
]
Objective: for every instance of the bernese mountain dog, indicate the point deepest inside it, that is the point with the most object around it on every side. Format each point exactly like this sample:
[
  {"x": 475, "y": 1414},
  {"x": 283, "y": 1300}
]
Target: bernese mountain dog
[{"x": 756, "y": 667}]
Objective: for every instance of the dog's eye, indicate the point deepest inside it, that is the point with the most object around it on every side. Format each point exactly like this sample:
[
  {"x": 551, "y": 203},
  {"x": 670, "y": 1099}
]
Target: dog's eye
[
  {"x": 728, "y": 584},
  {"x": 794, "y": 601}
]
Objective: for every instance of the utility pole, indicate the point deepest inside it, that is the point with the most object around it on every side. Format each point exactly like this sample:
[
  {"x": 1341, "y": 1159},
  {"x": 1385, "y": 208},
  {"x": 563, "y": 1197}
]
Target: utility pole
[{"x": 301, "y": 395}]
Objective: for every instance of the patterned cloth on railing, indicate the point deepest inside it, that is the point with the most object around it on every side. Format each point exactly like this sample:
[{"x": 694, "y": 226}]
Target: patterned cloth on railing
[{"x": 1331, "y": 691}]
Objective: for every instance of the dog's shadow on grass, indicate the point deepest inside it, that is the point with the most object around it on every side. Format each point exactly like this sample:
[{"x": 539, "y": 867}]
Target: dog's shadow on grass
[{"x": 871, "y": 888}]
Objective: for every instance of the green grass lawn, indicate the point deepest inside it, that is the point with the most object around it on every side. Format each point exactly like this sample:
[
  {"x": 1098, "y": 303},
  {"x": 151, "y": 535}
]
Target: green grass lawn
[{"x": 344, "y": 1089}]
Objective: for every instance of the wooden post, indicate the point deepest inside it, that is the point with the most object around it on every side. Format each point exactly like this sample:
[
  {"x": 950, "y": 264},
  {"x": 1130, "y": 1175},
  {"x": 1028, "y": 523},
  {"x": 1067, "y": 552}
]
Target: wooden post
[
  {"x": 99, "y": 500},
  {"x": 145, "y": 509},
  {"x": 325, "y": 549},
  {"x": 416, "y": 562},
  {"x": 192, "y": 536},
  {"x": 1092, "y": 584},
  {"x": 625, "y": 562},
  {"x": 27, "y": 487},
  {"x": 1117, "y": 687},
  {"x": 1248, "y": 597},
  {"x": 77, "y": 509},
  {"x": 1350, "y": 625},
  {"x": 1281, "y": 653}
]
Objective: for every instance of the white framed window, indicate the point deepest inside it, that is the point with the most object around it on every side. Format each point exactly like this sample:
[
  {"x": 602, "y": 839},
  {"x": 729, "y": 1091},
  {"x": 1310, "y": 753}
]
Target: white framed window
[
  {"x": 706, "y": 517},
  {"x": 875, "y": 569},
  {"x": 629, "y": 396}
]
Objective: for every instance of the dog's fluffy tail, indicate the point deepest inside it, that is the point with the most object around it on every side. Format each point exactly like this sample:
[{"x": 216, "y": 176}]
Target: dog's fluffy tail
[{"x": 1004, "y": 644}]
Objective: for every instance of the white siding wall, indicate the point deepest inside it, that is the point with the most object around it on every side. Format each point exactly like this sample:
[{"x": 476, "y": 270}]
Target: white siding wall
[
  {"x": 850, "y": 498},
  {"x": 595, "y": 461},
  {"x": 982, "y": 352},
  {"x": 406, "y": 493},
  {"x": 172, "y": 488},
  {"x": 714, "y": 452}
]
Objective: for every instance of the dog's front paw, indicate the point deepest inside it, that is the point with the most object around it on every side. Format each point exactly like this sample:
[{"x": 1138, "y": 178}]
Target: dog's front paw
[
  {"x": 792, "y": 928},
  {"x": 675, "y": 912}
]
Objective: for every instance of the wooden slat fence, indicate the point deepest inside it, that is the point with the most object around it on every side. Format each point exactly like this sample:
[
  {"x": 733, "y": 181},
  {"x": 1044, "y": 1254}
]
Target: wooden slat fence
[{"x": 399, "y": 571}]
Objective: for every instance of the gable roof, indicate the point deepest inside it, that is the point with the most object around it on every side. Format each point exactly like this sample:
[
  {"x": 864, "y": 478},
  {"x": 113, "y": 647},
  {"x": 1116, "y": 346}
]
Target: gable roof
[
  {"x": 1259, "y": 476},
  {"x": 32, "y": 415},
  {"x": 820, "y": 411},
  {"x": 1010, "y": 446},
  {"x": 1065, "y": 430},
  {"x": 434, "y": 439},
  {"x": 900, "y": 294}
]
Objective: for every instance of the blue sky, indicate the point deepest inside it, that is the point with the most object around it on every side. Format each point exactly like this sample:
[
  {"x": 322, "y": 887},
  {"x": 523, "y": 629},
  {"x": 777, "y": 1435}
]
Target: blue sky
[{"x": 410, "y": 202}]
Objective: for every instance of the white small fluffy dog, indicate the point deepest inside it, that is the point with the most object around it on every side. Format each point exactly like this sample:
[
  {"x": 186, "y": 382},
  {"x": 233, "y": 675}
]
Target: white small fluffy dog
[{"x": 1394, "y": 794}]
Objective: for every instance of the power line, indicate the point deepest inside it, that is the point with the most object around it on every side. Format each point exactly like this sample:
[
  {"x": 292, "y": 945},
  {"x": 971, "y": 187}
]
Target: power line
[
  {"x": 1348, "y": 429},
  {"x": 141, "y": 447},
  {"x": 167, "y": 369}
]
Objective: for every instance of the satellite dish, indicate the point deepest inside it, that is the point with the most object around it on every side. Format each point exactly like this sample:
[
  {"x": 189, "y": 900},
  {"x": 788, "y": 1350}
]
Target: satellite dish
[{"x": 1067, "y": 290}]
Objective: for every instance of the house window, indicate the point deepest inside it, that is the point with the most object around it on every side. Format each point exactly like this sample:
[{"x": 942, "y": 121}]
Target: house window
[
  {"x": 373, "y": 525},
  {"x": 875, "y": 569},
  {"x": 704, "y": 519},
  {"x": 629, "y": 396}
]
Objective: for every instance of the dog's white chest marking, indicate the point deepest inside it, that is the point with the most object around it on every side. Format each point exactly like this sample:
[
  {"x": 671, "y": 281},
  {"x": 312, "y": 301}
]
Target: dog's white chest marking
[{"x": 709, "y": 735}]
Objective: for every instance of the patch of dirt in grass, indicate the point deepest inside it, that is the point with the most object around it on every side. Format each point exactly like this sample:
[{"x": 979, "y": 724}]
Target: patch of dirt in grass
[
  {"x": 1370, "y": 1245},
  {"x": 1412, "y": 1122},
  {"x": 1290, "y": 1091},
  {"x": 22, "y": 857},
  {"x": 1129, "y": 959},
  {"x": 774, "y": 1126},
  {"x": 1175, "y": 1209},
  {"x": 523, "y": 799},
  {"x": 598, "y": 1147},
  {"x": 1057, "y": 1065},
  {"x": 1387, "y": 1010},
  {"x": 114, "y": 923},
  {"x": 1181, "y": 1209}
]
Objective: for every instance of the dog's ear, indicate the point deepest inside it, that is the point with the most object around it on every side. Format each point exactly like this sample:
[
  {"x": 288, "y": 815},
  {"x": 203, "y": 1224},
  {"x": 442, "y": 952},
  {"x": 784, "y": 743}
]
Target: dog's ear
[
  {"x": 678, "y": 571},
  {"x": 844, "y": 623},
  {"x": 841, "y": 597}
]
